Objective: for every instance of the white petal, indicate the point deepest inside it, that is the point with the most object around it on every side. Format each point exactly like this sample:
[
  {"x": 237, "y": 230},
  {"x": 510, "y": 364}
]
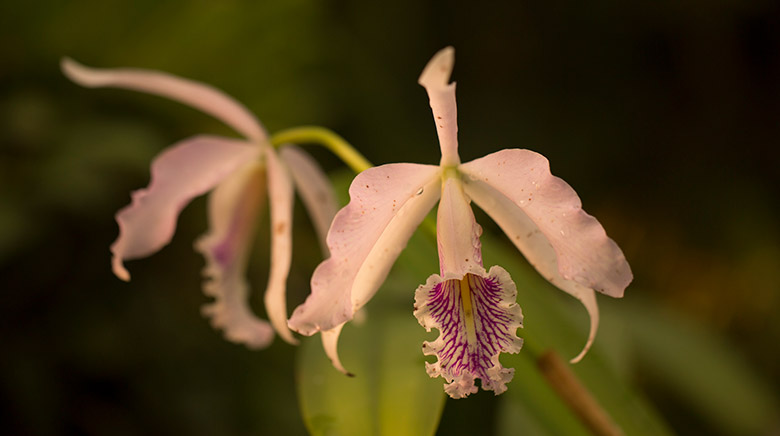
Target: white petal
[
  {"x": 387, "y": 204},
  {"x": 233, "y": 209},
  {"x": 181, "y": 172},
  {"x": 441, "y": 94},
  {"x": 314, "y": 188},
  {"x": 281, "y": 196},
  {"x": 189, "y": 92}
]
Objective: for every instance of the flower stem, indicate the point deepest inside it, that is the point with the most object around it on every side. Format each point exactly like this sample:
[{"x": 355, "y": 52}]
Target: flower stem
[{"x": 328, "y": 139}]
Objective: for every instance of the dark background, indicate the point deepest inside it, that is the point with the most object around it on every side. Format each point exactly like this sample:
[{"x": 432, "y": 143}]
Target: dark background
[{"x": 664, "y": 116}]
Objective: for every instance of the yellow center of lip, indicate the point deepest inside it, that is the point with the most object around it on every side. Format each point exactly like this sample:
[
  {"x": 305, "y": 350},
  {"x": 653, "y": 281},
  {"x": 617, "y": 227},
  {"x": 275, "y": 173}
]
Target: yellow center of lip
[{"x": 468, "y": 309}]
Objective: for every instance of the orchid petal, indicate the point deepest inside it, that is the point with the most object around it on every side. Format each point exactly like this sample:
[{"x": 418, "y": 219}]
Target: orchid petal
[
  {"x": 189, "y": 92},
  {"x": 330, "y": 342},
  {"x": 543, "y": 217},
  {"x": 314, "y": 187},
  {"x": 183, "y": 171},
  {"x": 435, "y": 78},
  {"x": 477, "y": 318},
  {"x": 387, "y": 204},
  {"x": 584, "y": 252},
  {"x": 460, "y": 250},
  {"x": 535, "y": 247},
  {"x": 281, "y": 196},
  {"x": 233, "y": 209}
]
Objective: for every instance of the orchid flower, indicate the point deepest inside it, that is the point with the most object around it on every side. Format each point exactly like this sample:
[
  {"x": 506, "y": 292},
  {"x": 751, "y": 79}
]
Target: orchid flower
[
  {"x": 239, "y": 173},
  {"x": 474, "y": 310}
]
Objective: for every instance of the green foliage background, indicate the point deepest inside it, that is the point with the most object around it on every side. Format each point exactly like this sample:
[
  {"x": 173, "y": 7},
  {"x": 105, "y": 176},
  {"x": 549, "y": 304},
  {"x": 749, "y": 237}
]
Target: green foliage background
[{"x": 664, "y": 116}]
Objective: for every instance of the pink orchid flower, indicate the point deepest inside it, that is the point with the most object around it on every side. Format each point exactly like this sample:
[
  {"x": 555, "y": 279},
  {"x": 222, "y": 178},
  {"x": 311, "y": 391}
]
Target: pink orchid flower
[
  {"x": 474, "y": 309},
  {"x": 239, "y": 173}
]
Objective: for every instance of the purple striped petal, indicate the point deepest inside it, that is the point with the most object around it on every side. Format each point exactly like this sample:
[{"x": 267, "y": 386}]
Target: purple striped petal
[{"x": 477, "y": 318}]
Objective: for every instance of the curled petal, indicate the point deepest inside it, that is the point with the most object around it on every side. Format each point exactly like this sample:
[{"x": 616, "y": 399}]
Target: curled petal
[
  {"x": 435, "y": 78},
  {"x": 477, "y": 317},
  {"x": 281, "y": 196},
  {"x": 543, "y": 217},
  {"x": 387, "y": 204},
  {"x": 180, "y": 173},
  {"x": 233, "y": 209},
  {"x": 189, "y": 92},
  {"x": 460, "y": 250},
  {"x": 330, "y": 342},
  {"x": 314, "y": 187}
]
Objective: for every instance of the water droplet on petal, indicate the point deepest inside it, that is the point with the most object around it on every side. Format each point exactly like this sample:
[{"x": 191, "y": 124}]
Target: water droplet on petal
[{"x": 420, "y": 191}]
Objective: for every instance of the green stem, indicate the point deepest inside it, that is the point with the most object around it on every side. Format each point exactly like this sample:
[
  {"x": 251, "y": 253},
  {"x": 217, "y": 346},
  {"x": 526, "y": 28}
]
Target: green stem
[{"x": 327, "y": 138}]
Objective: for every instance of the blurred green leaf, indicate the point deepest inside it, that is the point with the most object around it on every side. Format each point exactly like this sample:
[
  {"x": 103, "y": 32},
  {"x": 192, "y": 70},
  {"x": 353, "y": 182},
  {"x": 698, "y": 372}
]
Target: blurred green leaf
[
  {"x": 391, "y": 394},
  {"x": 703, "y": 369},
  {"x": 530, "y": 406}
]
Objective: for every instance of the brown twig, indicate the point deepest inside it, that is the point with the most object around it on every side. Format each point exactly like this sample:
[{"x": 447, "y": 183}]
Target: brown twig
[{"x": 575, "y": 395}]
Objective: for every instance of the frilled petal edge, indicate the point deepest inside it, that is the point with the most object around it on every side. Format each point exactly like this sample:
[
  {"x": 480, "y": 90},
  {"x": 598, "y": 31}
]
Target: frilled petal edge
[
  {"x": 181, "y": 172},
  {"x": 233, "y": 210},
  {"x": 477, "y": 317},
  {"x": 387, "y": 204}
]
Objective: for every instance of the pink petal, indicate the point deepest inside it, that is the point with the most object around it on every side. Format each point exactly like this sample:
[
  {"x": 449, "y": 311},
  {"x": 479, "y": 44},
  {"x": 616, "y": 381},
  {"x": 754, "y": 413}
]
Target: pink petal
[
  {"x": 543, "y": 217},
  {"x": 584, "y": 252},
  {"x": 281, "y": 196},
  {"x": 233, "y": 209},
  {"x": 435, "y": 78},
  {"x": 314, "y": 188},
  {"x": 460, "y": 250},
  {"x": 195, "y": 94},
  {"x": 183, "y": 171},
  {"x": 477, "y": 318},
  {"x": 330, "y": 342},
  {"x": 387, "y": 204}
]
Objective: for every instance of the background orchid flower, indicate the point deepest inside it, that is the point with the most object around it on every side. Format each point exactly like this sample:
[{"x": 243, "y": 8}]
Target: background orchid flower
[
  {"x": 239, "y": 173},
  {"x": 474, "y": 310}
]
